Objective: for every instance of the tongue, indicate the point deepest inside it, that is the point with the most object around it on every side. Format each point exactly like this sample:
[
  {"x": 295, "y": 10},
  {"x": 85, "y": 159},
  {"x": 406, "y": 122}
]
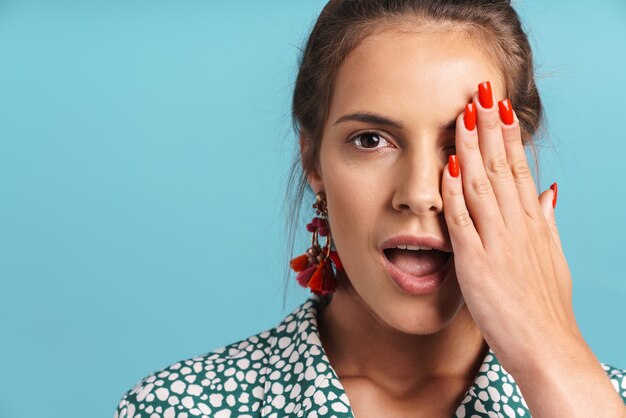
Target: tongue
[{"x": 417, "y": 263}]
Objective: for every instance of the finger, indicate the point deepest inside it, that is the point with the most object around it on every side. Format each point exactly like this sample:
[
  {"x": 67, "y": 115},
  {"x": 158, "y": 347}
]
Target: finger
[
  {"x": 477, "y": 190},
  {"x": 463, "y": 234},
  {"x": 546, "y": 201},
  {"x": 518, "y": 162},
  {"x": 490, "y": 125}
]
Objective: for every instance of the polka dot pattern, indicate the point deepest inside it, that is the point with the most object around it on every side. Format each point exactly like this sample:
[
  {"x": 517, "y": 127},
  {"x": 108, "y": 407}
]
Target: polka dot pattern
[{"x": 284, "y": 372}]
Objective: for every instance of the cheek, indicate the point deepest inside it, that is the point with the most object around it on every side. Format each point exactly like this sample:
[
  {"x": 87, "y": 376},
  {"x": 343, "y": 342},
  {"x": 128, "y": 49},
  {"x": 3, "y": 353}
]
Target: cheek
[{"x": 356, "y": 195}]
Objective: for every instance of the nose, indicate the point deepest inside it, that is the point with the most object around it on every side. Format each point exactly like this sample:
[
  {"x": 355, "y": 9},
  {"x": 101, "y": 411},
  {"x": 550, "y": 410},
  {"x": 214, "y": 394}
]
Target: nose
[{"x": 418, "y": 183}]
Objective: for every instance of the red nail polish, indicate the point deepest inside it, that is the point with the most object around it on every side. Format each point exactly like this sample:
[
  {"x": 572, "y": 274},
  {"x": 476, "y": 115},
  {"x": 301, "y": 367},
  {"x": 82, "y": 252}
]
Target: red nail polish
[
  {"x": 453, "y": 165},
  {"x": 485, "y": 97},
  {"x": 469, "y": 118},
  {"x": 555, "y": 190},
  {"x": 506, "y": 111}
]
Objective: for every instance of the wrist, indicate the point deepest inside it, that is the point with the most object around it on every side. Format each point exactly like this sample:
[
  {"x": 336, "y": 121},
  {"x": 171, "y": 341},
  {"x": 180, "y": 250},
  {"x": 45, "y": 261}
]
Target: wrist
[{"x": 564, "y": 378}]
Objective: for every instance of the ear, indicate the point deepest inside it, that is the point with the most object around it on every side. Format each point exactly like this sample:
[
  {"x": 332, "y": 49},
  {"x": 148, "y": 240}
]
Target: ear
[{"x": 313, "y": 175}]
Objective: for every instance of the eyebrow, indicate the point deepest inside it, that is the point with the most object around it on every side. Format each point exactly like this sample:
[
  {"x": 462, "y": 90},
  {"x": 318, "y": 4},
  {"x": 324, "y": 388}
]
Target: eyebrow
[
  {"x": 372, "y": 118},
  {"x": 449, "y": 125},
  {"x": 376, "y": 119}
]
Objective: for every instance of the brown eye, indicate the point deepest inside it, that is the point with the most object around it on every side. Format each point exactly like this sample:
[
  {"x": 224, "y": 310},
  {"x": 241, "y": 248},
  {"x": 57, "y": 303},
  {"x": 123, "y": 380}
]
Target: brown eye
[{"x": 368, "y": 140}]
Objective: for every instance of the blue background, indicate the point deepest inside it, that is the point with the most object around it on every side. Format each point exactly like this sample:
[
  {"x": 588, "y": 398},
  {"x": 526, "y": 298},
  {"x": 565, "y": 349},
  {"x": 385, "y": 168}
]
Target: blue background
[{"x": 144, "y": 148}]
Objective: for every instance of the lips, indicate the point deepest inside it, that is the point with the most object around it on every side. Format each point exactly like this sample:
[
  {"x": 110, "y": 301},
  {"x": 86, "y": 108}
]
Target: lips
[
  {"x": 417, "y": 263},
  {"x": 424, "y": 240}
]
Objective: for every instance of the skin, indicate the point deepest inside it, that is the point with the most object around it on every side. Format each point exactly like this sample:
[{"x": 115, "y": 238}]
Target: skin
[{"x": 392, "y": 351}]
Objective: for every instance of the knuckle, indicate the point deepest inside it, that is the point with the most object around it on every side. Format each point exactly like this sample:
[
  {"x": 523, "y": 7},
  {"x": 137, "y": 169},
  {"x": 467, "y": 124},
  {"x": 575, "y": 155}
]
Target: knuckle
[
  {"x": 462, "y": 220},
  {"x": 481, "y": 186},
  {"x": 533, "y": 216},
  {"x": 455, "y": 191},
  {"x": 492, "y": 122},
  {"x": 521, "y": 171},
  {"x": 498, "y": 167},
  {"x": 471, "y": 143}
]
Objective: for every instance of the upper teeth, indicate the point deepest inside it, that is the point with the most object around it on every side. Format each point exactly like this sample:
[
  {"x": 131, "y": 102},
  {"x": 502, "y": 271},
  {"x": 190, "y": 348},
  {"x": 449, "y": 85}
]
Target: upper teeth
[{"x": 412, "y": 247}]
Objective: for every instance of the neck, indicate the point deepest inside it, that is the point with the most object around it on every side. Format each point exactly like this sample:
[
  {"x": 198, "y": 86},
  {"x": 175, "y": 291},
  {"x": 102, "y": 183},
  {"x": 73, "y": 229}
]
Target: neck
[{"x": 359, "y": 345}]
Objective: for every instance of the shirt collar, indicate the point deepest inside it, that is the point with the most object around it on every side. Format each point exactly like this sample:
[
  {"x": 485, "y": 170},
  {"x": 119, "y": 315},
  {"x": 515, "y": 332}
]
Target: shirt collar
[{"x": 299, "y": 365}]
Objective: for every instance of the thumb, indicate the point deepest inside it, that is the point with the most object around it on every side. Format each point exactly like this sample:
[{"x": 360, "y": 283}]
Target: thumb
[{"x": 546, "y": 200}]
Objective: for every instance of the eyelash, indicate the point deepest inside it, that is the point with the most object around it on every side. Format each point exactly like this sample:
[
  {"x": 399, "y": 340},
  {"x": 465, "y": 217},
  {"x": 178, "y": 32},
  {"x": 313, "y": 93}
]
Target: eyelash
[{"x": 352, "y": 140}]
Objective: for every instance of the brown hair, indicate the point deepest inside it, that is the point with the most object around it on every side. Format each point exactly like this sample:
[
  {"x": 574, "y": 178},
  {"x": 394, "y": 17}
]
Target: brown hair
[{"x": 342, "y": 26}]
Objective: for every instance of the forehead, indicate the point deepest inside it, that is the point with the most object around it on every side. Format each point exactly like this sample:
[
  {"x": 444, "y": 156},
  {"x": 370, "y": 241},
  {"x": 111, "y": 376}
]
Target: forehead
[{"x": 396, "y": 72}]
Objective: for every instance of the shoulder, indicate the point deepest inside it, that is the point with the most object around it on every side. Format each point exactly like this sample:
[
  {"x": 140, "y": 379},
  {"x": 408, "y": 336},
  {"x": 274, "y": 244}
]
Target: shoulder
[
  {"x": 280, "y": 371},
  {"x": 618, "y": 379},
  {"x": 225, "y": 380}
]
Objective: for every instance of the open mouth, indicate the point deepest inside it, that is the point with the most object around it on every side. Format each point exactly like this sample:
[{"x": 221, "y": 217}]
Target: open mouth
[{"x": 417, "y": 263}]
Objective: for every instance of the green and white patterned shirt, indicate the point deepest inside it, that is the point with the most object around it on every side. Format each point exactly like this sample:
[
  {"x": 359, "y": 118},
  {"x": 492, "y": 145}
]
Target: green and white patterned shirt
[{"x": 284, "y": 372}]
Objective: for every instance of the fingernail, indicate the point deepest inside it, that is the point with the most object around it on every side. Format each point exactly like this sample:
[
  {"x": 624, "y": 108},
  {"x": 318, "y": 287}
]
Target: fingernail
[
  {"x": 485, "y": 97},
  {"x": 506, "y": 111},
  {"x": 555, "y": 190},
  {"x": 453, "y": 165},
  {"x": 469, "y": 118}
]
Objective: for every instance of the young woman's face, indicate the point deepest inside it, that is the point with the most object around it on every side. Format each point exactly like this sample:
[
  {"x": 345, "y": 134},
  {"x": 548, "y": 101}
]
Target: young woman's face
[{"x": 382, "y": 180}]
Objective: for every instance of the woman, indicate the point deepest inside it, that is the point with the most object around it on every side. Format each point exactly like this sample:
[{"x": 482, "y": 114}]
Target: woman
[{"x": 441, "y": 288}]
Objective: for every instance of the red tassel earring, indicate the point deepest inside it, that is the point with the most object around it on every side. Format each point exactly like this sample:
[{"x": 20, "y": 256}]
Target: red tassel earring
[{"x": 314, "y": 267}]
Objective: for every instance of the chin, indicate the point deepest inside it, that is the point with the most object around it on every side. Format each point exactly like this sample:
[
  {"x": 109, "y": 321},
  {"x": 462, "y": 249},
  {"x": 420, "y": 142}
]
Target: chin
[
  {"x": 395, "y": 309},
  {"x": 420, "y": 318}
]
